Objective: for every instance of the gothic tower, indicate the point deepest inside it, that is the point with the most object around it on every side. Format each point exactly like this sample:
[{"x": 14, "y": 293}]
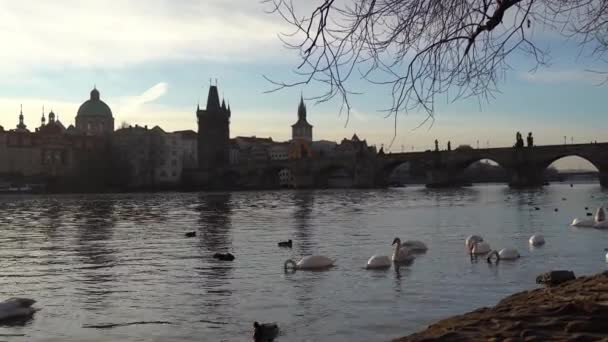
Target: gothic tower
[
  {"x": 213, "y": 132},
  {"x": 301, "y": 130}
]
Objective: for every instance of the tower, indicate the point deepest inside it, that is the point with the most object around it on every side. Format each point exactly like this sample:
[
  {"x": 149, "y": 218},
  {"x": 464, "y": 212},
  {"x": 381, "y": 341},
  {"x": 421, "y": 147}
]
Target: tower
[
  {"x": 301, "y": 130},
  {"x": 94, "y": 116},
  {"x": 21, "y": 126},
  {"x": 42, "y": 119},
  {"x": 213, "y": 132}
]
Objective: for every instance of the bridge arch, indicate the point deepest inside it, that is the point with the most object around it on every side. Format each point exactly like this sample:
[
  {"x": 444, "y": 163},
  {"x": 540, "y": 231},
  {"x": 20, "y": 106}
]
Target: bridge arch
[{"x": 561, "y": 156}]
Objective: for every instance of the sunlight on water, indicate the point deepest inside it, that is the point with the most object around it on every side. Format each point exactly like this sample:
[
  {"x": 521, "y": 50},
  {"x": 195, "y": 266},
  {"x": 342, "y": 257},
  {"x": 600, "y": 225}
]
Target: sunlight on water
[{"x": 118, "y": 267}]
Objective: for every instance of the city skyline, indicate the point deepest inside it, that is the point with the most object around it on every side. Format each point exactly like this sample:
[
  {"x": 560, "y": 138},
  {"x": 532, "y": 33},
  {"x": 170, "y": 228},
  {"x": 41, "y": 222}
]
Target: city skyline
[{"x": 157, "y": 70}]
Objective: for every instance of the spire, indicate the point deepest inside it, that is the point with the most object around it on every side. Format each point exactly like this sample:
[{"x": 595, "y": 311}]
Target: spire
[
  {"x": 51, "y": 117},
  {"x": 213, "y": 99},
  {"x": 198, "y": 107},
  {"x": 223, "y": 104},
  {"x": 43, "y": 119},
  {"x": 302, "y": 109},
  {"x": 21, "y": 125}
]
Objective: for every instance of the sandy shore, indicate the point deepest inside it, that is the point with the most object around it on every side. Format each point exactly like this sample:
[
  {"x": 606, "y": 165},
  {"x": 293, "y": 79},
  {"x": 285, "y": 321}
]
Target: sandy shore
[{"x": 576, "y": 310}]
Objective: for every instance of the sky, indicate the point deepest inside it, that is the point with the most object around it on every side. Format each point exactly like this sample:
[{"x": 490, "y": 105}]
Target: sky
[{"x": 153, "y": 62}]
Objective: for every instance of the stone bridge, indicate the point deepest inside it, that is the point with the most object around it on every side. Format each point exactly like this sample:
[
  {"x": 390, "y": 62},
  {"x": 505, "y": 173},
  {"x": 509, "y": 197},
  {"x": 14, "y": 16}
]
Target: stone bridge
[
  {"x": 353, "y": 170},
  {"x": 524, "y": 165}
]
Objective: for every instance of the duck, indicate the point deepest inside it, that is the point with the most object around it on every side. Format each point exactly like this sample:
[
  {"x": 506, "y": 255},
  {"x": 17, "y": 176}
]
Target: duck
[
  {"x": 312, "y": 262},
  {"x": 606, "y": 250},
  {"x": 265, "y": 332},
  {"x": 401, "y": 254},
  {"x": 378, "y": 262},
  {"x": 415, "y": 246},
  {"x": 16, "y": 307},
  {"x": 287, "y": 243},
  {"x": 224, "y": 256},
  {"x": 190, "y": 234},
  {"x": 537, "y": 240}
]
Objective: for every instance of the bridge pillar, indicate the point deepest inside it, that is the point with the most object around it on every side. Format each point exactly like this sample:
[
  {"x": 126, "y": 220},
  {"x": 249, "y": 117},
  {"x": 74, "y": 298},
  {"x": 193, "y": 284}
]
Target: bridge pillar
[
  {"x": 444, "y": 177},
  {"x": 604, "y": 178},
  {"x": 526, "y": 176}
]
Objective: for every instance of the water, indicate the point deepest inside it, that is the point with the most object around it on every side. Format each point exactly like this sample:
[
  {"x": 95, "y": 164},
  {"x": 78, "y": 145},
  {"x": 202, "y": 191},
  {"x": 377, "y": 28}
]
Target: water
[{"x": 97, "y": 263}]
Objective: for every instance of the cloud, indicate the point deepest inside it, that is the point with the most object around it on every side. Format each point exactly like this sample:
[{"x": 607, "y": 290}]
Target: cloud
[
  {"x": 565, "y": 76},
  {"x": 132, "y": 104},
  {"x": 117, "y": 33}
]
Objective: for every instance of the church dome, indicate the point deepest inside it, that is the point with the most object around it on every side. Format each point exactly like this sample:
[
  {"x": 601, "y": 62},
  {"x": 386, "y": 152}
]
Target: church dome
[{"x": 94, "y": 107}]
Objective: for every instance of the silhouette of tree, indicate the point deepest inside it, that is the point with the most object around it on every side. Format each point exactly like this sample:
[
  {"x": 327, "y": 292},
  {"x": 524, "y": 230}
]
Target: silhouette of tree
[{"x": 424, "y": 48}]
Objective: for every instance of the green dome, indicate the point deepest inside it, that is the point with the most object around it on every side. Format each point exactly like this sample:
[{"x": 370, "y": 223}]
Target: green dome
[{"x": 94, "y": 107}]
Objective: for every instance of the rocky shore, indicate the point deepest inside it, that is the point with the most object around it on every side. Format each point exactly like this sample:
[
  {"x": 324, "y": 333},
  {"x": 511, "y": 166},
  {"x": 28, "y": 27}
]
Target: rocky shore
[{"x": 576, "y": 310}]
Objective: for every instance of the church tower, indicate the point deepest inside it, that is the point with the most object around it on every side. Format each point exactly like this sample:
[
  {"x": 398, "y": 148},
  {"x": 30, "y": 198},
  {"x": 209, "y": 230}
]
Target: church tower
[
  {"x": 301, "y": 130},
  {"x": 213, "y": 132}
]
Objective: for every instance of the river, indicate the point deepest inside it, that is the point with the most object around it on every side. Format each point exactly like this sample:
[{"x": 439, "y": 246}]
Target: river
[{"x": 118, "y": 267}]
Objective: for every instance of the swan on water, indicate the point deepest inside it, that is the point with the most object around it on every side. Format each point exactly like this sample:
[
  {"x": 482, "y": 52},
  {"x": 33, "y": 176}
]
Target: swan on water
[
  {"x": 312, "y": 262},
  {"x": 265, "y": 332},
  {"x": 598, "y": 221},
  {"x": 478, "y": 248},
  {"x": 606, "y": 250},
  {"x": 471, "y": 239},
  {"x": 16, "y": 308},
  {"x": 415, "y": 246},
  {"x": 537, "y": 240},
  {"x": 401, "y": 254},
  {"x": 508, "y": 254},
  {"x": 600, "y": 215},
  {"x": 378, "y": 262},
  {"x": 582, "y": 223}
]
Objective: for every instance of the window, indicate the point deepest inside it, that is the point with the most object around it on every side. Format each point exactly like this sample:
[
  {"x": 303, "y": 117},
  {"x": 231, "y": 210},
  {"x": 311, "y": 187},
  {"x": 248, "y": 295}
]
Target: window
[
  {"x": 173, "y": 162},
  {"x": 174, "y": 174}
]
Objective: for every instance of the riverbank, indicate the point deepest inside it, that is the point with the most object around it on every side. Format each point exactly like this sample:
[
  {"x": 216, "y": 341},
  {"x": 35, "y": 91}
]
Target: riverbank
[{"x": 575, "y": 310}]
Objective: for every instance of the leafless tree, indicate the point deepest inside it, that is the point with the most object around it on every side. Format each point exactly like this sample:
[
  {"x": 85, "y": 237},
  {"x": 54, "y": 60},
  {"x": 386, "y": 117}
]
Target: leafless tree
[{"x": 424, "y": 48}]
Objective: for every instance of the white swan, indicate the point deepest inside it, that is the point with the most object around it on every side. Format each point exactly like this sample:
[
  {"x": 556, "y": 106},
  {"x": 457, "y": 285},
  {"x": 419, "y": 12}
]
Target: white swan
[
  {"x": 508, "y": 254},
  {"x": 600, "y": 215},
  {"x": 312, "y": 262},
  {"x": 479, "y": 248},
  {"x": 471, "y": 239},
  {"x": 401, "y": 254},
  {"x": 598, "y": 221},
  {"x": 415, "y": 246},
  {"x": 537, "y": 240},
  {"x": 606, "y": 250},
  {"x": 378, "y": 262},
  {"x": 16, "y": 308},
  {"x": 582, "y": 223}
]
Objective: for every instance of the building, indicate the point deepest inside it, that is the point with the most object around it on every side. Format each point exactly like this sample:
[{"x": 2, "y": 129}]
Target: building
[
  {"x": 153, "y": 158},
  {"x": 213, "y": 133},
  {"x": 52, "y": 154},
  {"x": 189, "y": 146},
  {"x": 94, "y": 116},
  {"x": 324, "y": 148},
  {"x": 279, "y": 151},
  {"x": 301, "y": 130},
  {"x": 253, "y": 149}
]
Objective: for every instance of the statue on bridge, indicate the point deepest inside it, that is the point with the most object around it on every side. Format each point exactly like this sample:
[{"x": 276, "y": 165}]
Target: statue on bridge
[
  {"x": 449, "y": 146},
  {"x": 436, "y": 145},
  {"x": 519, "y": 142},
  {"x": 530, "y": 140}
]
